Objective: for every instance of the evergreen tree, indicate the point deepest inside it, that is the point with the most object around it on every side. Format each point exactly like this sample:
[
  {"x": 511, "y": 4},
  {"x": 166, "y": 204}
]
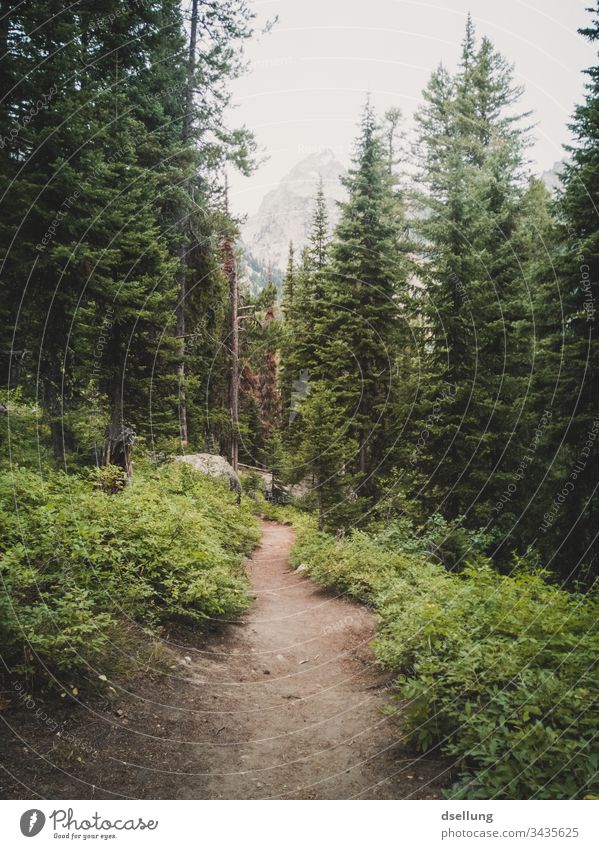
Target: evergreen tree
[
  {"x": 471, "y": 141},
  {"x": 357, "y": 331},
  {"x": 105, "y": 177},
  {"x": 267, "y": 375},
  {"x": 323, "y": 456},
  {"x": 568, "y": 361},
  {"x": 48, "y": 115},
  {"x": 304, "y": 303},
  {"x": 289, "y": 282},
  {"x": 319, "y": 235},
  {"x": 288, "y": 304},
  {"x": 131, "y": 245}
]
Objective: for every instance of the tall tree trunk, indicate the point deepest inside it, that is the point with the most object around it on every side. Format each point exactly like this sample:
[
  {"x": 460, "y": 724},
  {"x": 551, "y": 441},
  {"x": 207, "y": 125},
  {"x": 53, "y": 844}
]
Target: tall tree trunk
[
  {"x": 234, "y": 291},
  {"x": 180, "y": 311},
  {"x": 117, "y": 451},
  {"x": 52, "y": 406},
  {"x": 120, "y": 438},
  {"x": 180, "y": 331},
  {"x": 193, "y": 37},
  {"x": 363, "y": 453}
]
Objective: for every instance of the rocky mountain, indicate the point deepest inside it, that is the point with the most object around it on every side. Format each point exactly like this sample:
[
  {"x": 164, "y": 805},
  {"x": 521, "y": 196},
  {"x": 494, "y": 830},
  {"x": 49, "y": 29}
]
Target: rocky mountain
[
  {"x": 285, "y": 214},
  {"x": 551, "y": 178}
]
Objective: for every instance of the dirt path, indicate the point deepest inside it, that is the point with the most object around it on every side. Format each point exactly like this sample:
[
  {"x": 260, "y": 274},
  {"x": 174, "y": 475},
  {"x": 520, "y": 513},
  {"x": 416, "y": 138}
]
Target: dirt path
[{"x": 286, "y": 704}]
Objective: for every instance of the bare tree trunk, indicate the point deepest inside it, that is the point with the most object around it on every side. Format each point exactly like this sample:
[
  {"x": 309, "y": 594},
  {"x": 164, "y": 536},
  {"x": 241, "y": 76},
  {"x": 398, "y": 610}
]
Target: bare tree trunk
[
  {"x": 363, "y": 458},
  {"x": 52, "y": 405},
  {"x": 180, "y": 330},
  {"x": 234, "y": 363},
  {"x": 53, "y": 408},
  {"x": 231, "y": 272},
  {"x": 180, "y": 311},
  {"x": 120, "y": 438},
  {"x": 117, "y": 450},
  {"x": 193, "y": 37}
]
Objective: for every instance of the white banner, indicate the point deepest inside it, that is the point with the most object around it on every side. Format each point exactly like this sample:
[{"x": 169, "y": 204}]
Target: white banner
[{"x": 305, "y": 824}]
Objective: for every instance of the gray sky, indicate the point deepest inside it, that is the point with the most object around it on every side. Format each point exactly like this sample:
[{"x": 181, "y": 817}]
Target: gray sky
[{"x": 309, "y": 77}]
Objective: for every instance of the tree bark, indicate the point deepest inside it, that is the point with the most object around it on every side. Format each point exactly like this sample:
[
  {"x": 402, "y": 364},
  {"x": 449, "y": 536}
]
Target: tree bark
[
  {"x": 363, "y": 454},
  {"x": 234, "y": 358},
  {"x": 180, "y": 310},
  {"x": 117, "y": 451},
  {"x": 180, "y": 331}
]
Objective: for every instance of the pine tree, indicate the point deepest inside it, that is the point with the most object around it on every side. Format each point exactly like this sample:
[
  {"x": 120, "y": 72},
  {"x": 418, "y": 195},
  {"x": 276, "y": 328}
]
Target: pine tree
[
  {"x": 105, "y": 176},
  {"x": 288, "y": 305},
  {"x": 48, "y": 114},
  {"x": 134, "y": 270},
  {"x": 289, "y": 283},
  {"x": 358, "y": 329},
  {"x": 323, "y": 456},
  {"x": 532, "y": 325},
  {"x": 304, "y": 303},
  {"x": 568, "y": 361},
  {"x": 319, "y": 234},
  {"x": 471, "y": 142}
]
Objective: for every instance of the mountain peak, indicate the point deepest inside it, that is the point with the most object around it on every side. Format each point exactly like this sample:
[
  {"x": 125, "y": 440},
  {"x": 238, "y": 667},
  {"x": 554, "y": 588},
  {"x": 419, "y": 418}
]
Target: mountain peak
[
  {"x": 319, "y": 156},
  {"x": 286, "y": 211}
]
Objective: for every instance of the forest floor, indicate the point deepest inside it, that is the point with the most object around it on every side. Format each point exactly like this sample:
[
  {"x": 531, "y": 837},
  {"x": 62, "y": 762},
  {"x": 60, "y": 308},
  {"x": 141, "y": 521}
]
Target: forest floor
[{"x": 287, "y": 703}]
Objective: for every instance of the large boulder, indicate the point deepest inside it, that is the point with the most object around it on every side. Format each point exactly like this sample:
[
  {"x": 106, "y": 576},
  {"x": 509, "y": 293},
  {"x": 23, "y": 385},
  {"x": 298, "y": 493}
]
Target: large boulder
[{"x": 215, "y": 466}]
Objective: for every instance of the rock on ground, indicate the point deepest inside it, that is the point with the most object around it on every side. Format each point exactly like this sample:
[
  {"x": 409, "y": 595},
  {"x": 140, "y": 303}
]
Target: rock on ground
[{"x": 213, "y": 465}]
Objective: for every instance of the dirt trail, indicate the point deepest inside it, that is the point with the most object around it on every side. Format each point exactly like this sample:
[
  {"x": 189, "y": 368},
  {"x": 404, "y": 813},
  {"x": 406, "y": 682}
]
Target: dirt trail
[{"x": 285, "y": 704}]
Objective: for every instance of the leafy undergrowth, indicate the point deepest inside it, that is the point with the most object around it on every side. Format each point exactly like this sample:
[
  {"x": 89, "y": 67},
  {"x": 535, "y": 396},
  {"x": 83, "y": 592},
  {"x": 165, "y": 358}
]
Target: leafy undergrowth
[
  {"x": 499, "y": 671},
  {"x": 79, "y": 567}
]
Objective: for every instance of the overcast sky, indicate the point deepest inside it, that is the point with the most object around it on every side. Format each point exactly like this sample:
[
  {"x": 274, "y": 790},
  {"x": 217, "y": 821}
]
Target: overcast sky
[{"x": 308, "y": 78}]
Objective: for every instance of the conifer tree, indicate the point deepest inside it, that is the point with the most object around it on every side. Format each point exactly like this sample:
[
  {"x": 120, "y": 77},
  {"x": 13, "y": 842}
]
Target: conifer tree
[
  {"x": 319, "y": 234},
  {"x": 323, "y": 456},
  {"x": 288, "y": 304},
  {"x": 357, "y": 331},
  {"x": 471, "y": 143},
  {"x": 304, "y": 303},
  {"x": 104, "y": 177},
  {"x": 568, "y": 360},
  {"x": 289, "y": 282}
]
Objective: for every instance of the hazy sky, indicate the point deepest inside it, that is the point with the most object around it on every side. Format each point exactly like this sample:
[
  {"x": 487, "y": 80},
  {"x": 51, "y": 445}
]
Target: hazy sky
[{"x": 309, "y": 76}]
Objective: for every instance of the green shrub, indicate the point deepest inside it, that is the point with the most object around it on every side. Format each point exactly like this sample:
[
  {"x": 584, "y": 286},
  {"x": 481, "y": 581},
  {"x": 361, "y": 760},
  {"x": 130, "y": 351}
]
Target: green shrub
[
  {"x": 286, "y": 514},
  {"x": 354, "y": 565},
  {"x": 75, "y": 560},
  {"x": 443, "y": 541},
  {"x": 252, "y": 483},
  {"x": 499, "y": 672},
  {"x": 502, "y": 673}
]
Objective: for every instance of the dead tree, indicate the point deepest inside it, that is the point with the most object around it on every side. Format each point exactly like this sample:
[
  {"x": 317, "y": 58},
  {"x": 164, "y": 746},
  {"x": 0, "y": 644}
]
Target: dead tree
[
  {"x": 230, "y": 267},
  {"x": 117, "y": 450}
]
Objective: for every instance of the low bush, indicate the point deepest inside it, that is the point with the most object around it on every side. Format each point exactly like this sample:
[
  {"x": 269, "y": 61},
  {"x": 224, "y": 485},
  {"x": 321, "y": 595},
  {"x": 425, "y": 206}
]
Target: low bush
[
  {"x": 499, "y": 672},
  {"x": 252, "y": 483},
  {"x": 75, "y": 560},
  {"x": 442, "y": 541},
  {"x": 356, "y": 565},
  {"x": 286, "y": 514}
]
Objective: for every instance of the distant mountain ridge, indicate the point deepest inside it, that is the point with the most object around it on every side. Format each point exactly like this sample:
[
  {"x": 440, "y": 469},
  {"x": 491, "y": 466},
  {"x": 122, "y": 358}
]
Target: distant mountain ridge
[
  {"x": 551, "y": 177},
  {"x": 286, "y": 213}
]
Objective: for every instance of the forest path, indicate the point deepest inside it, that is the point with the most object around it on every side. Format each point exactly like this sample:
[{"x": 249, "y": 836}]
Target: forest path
[
  {"x": 295, "y": 698},
  {"x": 286, "y": 703}
]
